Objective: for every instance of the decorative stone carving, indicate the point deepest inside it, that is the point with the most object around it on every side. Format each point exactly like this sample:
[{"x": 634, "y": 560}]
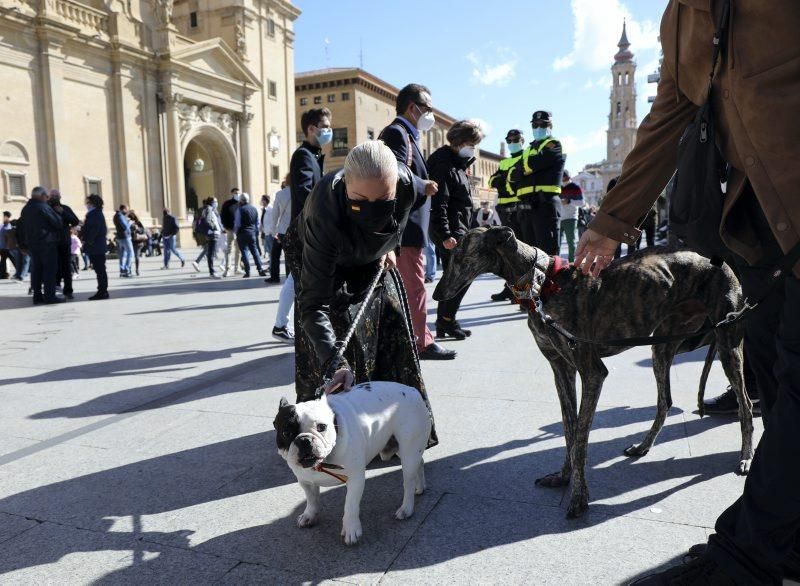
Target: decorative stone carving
[
  {"x": 191, "y": 115},
  {"x": 241, "y": 42},
  {"x": 163, "y": 11}
]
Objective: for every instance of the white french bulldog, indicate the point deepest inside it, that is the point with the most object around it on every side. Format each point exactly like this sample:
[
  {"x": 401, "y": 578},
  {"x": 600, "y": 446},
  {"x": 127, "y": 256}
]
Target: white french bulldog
[{"x": 331, "y": 440}]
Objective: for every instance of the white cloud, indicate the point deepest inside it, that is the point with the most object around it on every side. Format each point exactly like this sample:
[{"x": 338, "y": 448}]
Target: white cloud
[
  {"x": 499, "y": 72},
  {"x": 588, "y": 141},
  {"x": 598, "y": 24},
  {"x": 585, "y": 148}
]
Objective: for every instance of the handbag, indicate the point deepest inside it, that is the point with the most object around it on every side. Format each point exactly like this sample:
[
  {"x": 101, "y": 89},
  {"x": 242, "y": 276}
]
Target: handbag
[{"x": 696, "y": 198}]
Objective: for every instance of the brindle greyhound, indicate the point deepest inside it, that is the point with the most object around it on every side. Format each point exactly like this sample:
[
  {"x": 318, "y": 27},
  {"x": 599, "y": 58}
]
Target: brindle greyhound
[{"x": 657, "y": 291}]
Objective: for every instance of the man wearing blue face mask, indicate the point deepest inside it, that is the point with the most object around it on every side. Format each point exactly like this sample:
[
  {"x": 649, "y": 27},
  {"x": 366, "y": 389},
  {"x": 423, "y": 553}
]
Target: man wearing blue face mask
[
  {"x": 536, "y": 179},
  {"x": 414, "y": 107},
  {"x": 305, "y": 168},
  {"x": 507, "y": 199}
]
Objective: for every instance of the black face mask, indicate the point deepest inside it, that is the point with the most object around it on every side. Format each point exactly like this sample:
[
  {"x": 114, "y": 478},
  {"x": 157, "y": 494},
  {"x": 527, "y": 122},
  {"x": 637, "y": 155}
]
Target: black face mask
[{"x": 373, "y": 216}]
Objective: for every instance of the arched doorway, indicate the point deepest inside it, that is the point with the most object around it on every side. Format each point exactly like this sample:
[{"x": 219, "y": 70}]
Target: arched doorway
[{"x": 209, "y": 167}]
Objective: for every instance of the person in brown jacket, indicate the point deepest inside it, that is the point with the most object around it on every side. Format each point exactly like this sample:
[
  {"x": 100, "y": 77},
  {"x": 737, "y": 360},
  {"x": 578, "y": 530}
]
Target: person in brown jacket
[{"x": 756, "y": 104}]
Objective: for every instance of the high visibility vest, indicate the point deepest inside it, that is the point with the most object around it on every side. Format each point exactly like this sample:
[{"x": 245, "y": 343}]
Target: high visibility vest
[
  {"x": 545, "y": 188},
  {"x": 505, "y": 192}
]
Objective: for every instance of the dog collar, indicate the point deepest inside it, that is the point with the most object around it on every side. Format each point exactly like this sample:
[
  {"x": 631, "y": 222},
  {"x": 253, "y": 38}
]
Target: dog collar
[
  {"x": 326, "y": 468},
  {"x": 523, "y": 288}
]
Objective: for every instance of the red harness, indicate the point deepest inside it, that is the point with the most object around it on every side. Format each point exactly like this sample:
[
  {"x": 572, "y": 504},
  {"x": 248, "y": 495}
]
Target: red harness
[{"x": 549, "y": 287}]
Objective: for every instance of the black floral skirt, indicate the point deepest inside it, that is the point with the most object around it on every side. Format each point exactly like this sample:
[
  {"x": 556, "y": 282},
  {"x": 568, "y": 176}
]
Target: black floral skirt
[{"x": 382, "y": 347}]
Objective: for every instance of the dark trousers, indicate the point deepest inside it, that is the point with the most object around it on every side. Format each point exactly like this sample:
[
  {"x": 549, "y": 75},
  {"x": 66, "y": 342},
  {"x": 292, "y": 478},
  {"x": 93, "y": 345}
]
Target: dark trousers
[
  {"x": 65, "y": 267},
  {"x": 211, "y": 254},
  {"x": 247, "y": 245},
  {"x": 5, "y": 256},
  {"x": 449, "y": 307},
  {"x": 275, "y": 260},
  {"x": 44, "y": 269},
  {"x": 541, "y": 224},
  {"x": 755, "y": 535},
  {"x": 98, "y": 262},
  {"x": 509, "y": 218}
]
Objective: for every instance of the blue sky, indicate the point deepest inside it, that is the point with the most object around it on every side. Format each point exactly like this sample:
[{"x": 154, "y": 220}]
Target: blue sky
[{"x": 497, "y": 61}]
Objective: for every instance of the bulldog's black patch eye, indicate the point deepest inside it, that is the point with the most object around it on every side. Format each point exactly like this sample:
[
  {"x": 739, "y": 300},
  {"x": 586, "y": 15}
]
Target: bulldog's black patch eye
[{"x": 321, "y": 427}]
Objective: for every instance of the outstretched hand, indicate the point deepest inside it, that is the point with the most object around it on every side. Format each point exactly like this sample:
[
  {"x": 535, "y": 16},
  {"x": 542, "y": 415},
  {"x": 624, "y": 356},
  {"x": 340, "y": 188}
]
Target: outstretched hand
[{"x": 595, "y": 252}]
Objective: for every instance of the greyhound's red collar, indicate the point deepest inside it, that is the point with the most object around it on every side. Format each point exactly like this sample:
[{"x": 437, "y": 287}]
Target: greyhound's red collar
[{"x": 523, "y": 289}]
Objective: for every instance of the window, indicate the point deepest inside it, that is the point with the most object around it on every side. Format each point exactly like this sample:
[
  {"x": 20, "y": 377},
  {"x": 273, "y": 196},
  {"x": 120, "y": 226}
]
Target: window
[
  {"x": 317, "y": 99},
  {"x": 370, "y": 134},
  {"x": 339, "y": 142},
  {"x": 331, "y": 98},
  {"x": 270, "y": 27},
  {"x": 16, "y": 184},
  {"x": 345, "y": 96},
  {"x": 272, "y": 89},
  {"x": 303, "y": 101},
  {"x": 275, "y": 173},
  {"x": 193, "y": 19},
  {"x": 93, "y": 185}
]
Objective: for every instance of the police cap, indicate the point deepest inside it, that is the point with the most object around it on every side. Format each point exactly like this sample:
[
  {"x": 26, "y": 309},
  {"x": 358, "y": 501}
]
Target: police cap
[
  {"x": 513, "y": 134},
  {"x": 542, "y": 116}
]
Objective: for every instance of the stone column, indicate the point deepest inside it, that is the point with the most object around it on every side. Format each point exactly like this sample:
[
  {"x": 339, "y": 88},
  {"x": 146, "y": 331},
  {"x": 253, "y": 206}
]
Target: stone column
[
  {"x": 244, "y": 149},
  {"x": 51, "y": 65},
  {"x": 175, "y": 198}
]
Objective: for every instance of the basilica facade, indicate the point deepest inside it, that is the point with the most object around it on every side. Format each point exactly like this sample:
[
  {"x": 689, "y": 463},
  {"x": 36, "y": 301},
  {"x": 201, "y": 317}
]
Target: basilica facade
[{"x": 152, "y": 103}]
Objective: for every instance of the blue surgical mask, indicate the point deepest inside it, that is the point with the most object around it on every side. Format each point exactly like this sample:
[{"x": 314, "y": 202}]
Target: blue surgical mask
[
  {"x": 514, "y": 147},
  {"x": 324, "y": 136},
  {"x": 540, "y": 133}
]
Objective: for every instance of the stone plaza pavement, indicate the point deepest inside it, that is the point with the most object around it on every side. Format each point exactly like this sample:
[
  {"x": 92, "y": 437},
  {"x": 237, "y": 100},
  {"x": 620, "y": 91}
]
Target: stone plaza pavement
[{"x": 136, "y": 446}]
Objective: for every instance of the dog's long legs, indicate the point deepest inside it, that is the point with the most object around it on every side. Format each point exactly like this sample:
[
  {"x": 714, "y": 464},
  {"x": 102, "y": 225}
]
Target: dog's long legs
[
  {"x": 564, "y": 373},
  {"x": 351, "y": 522},
  {"x": 593, "y": 373},
  {"x": 663, "y": 354},
  {"x": 731, "y": 357},
  {"x": 308, "y": 518}
]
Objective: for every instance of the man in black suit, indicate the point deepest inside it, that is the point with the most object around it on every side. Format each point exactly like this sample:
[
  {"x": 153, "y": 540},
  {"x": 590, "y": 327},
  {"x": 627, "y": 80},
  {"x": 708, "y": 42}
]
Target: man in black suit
[
  {"x": 42, "y": 229},
  {"x": 227, "y": 213},
  {"x": 414, "y": 115},
  {"x": 305, "y": 168},
  {"x": 64, "y": 245}
]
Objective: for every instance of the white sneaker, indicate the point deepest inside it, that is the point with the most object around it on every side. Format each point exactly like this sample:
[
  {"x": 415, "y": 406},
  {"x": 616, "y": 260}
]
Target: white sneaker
[{"x": 196, "y": 266}]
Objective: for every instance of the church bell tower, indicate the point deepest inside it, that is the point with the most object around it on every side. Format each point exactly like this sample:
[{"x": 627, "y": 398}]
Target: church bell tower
[{"x": 622, "y": 116}]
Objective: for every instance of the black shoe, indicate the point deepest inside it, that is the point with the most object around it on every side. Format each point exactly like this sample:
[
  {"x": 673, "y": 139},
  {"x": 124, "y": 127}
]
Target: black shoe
[
  {"x": 504, "y": 295},
  {"x": 702, "y": 571},
  {"x": 273, "y": 280},
  {"x": 68, "y": 295},
  {"x": 246, "y": 276},
  {"x": 38, "y": 300},
  {"x": 54, "y": 300},
  {"x": 428, "y": 280},
  {"x": 436, "y": 352},
  {"x": 727, "y": 404},
  {"x": 183, "y": 263},
  {"x": 445, "y": 328},
  {"x": 283, "y": 334},
  {"x": 262, "y": 273},
  {"x": 97, "y": 296}
]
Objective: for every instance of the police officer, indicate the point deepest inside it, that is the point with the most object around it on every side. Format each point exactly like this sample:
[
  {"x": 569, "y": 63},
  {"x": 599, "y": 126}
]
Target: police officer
[
  {"x": 506, "y": 197},
  {"x": 536, "y": 179}
]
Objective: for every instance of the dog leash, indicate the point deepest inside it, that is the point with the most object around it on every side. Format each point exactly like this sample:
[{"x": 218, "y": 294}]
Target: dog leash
[
  {"x": 341, "y": 345},
  {"x": 785, "y": 265}
]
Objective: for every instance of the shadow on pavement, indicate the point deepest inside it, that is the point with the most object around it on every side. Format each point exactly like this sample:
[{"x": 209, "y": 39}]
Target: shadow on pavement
[{"x": 465, "y": 511}]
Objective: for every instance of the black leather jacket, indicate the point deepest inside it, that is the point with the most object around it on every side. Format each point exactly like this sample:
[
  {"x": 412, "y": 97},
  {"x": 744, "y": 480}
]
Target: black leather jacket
[
  {"x": 451, "y": 209},
  {"x": 338, "y": 256}
]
